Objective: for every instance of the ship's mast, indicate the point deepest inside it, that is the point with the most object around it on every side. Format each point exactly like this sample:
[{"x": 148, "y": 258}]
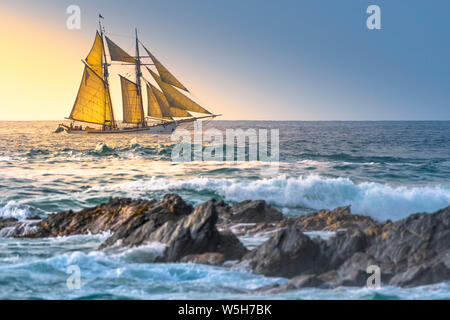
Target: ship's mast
[
  {"x": 138, "y": 78},
  {"x": 106, "y": 74}
]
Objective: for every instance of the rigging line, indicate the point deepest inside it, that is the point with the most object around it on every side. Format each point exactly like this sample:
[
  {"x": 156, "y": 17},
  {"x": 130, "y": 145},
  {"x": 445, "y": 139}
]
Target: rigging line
[{"x": 119, "y": 35}]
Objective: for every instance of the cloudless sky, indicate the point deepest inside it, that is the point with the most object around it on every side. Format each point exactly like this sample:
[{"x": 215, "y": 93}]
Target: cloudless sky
[{"x": 245, "y": 59}]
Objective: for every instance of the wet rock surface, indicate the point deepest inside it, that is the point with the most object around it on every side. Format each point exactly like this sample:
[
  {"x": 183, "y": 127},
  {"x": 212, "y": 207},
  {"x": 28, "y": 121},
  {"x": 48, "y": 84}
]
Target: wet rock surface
[{"x": 409, "y": 252}]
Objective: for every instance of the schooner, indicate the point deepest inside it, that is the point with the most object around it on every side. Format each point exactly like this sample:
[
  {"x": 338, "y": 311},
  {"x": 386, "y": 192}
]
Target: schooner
[{"x": 168, "y": 105}]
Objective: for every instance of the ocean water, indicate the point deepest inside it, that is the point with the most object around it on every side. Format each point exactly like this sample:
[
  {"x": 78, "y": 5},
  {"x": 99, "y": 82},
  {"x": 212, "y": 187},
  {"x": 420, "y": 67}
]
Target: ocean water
[{"x": 387, "y": 170}]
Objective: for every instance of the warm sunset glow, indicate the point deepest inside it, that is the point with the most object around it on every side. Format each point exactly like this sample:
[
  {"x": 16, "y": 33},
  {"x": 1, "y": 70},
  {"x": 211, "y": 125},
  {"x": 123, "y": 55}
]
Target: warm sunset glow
[{"x": 39, "y": 65}]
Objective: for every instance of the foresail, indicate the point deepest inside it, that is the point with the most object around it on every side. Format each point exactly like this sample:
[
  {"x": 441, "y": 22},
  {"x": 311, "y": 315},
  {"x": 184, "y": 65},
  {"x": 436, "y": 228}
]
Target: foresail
[
  {"x": 158, "y": 107},
  {"x": 117, "y": 53},
  {"x": 132, "y": 102},
  {"x": 94, "y": 58},
  {"x": 177, "y": 99},
  {"x": 165, "y": 75},
  {"x": 93, "y": 103}
]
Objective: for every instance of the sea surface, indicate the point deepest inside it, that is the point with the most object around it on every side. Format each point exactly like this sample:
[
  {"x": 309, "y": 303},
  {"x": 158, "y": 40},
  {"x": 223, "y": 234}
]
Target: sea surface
[{"x": 387, "y": 170}]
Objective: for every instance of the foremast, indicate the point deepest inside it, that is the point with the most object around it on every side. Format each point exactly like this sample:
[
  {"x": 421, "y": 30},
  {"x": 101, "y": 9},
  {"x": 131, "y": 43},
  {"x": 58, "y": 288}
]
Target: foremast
[{"x": 106, "y": 76}]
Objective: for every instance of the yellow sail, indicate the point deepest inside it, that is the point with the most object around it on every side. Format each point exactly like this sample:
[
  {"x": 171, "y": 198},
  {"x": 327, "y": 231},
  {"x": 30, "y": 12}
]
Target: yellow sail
[
  {"x": 158, "y": 107},
  {"x": 93, "y": 102},
  {"x": 165, "y": 75},
  {"x": 132, "y": 102},
  {"x": 94, "y": 58},
  {"x": 179, "y": 113},
  {"x": 117, "y": 53},
  {"x": 177, "y": 99}
]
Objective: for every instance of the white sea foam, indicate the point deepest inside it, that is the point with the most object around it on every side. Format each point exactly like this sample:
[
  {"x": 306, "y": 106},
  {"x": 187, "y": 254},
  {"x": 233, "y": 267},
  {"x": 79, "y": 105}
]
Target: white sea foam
[
  {"x": 380, "y": 201},
  {"x": 14, "y": 209},
  {"x": 145, "y": 253}
]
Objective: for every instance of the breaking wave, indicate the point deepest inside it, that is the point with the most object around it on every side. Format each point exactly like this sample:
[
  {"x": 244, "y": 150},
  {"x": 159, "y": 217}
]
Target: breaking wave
[
  {"x": 380, "y": 201},
  {"x": 17, "y": 210}
]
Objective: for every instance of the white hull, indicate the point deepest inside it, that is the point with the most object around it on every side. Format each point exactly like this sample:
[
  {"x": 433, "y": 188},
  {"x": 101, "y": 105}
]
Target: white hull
[{"x": 164, "y": 128}]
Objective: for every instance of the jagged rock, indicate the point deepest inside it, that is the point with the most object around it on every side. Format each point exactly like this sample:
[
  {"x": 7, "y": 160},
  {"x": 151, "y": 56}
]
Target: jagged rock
[
  {"x": 417, "y": 247},
  {"x": 353, "y": 272},
  {"x": 344, "y": 245},
  {"x": 436, "y": 270},
  {"x": 254, "y": 212},
  {"x": 223, "y": 211},
  {"x": 184, "y": 235},
  {"x": 287, "y": 254},
  {"x": 333, "y": 220},
  {"x": 136, "y": 228},
  {"x": 105, "y": 217},
  {"x": 339, "y": 219},
  {"x": 409, "y": 252}
]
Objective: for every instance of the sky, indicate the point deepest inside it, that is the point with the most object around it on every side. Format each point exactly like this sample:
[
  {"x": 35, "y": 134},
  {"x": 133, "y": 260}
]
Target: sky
[{"x": 244, "y": 59}]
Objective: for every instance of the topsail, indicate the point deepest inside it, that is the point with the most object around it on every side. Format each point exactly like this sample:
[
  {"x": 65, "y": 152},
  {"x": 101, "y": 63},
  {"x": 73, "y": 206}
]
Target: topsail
[
  {"x": 117, "y": 53},
  {"x": 165, "y": 75},
  {"x": 94, "y": 58}
]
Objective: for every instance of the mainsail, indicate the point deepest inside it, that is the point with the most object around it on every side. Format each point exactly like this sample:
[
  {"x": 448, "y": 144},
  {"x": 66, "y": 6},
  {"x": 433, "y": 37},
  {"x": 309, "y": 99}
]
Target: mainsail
[
  {"x": 177, "y": 99},
  {"x": 165, "y": 75},
  {"x": 117, "y": 53},
  {"x": 132, "y": 102},
  {"x": 93, "y": 102}
]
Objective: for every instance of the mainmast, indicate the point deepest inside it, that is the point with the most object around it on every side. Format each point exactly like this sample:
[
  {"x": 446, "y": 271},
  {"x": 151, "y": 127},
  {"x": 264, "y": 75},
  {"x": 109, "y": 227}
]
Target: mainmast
[
  {"x": 138, "y": 78},
  {"x": 106, "y": 74}
]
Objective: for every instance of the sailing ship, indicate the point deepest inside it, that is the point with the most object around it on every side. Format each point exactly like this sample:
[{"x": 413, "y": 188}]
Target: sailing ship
[{"x": 168, "y": 101}]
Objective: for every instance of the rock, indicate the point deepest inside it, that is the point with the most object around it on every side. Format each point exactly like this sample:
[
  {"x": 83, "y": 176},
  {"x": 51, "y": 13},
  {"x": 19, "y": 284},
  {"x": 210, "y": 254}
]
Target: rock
[
  {"x": 12, "y": 227},
  {"x": 287, "y": 254},
  {"x": 230, "y": 246},
  {"x": 409, "y": 252},
  {"x": 299, "y": 282},
  {"x": 209, "y": 258},
  {"x": 416, "y": 248},
  {"x": 223, "y": 211},
  {"x": 344, "y": 245},
  {"x": 8, "y": 222},
  {"x": 105, "y": 217},
  {"x": 437, "y": 270},
  {"x": 183, "y": 235},
  {"x": 136, "y": 228},
  {"x": 353, "y": 272},
  {"x": 339, "y": 219},
  {"x": 254, "y": 212},
  {"x": 333, "y": 220}
]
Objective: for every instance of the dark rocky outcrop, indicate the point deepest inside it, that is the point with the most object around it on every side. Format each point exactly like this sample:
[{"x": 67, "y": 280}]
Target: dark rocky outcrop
[
  {"x": 105, "y": 217},
  {"x": 184, "y": 235},
  {"x": 287, "y": 254},
  {"x": 257, "y": 211},
  {"x": 136, "y": 228},
  {"x": 333, "y": 220},
  {"x": 409, "y": 252}
]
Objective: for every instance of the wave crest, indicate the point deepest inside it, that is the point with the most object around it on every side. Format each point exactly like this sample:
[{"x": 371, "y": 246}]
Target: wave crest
[{"x": 314, "y": 192}]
